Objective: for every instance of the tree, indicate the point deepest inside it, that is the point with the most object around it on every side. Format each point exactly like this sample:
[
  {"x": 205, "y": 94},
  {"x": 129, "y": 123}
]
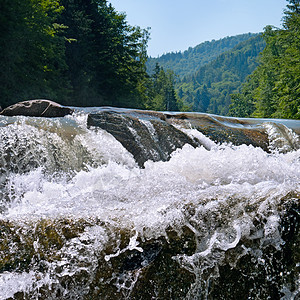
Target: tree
[
  {"x": 163, "y": 95},
  {"x": 274, "y": 87},
  {"x": 202, "y": 99},
  {"x": 32, "y": 53},
  {"x": 106, "y": 57},
  {"x": 77, "y": 52}
]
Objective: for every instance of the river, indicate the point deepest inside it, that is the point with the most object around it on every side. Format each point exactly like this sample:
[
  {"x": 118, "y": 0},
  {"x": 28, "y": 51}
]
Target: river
[{"x": 84, "y": 217}]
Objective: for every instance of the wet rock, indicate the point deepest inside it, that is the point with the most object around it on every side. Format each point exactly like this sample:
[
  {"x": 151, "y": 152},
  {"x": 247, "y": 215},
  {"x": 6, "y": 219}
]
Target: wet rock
[
  {"x": 154, "y": 136},
  {"x": 271, "y": 276},
  {"x": 146, "y": 139},
  {"x": 62, "y": 249},
  {"x": 136, "y": 259},
  {"x": 37, "y": 108},
  {"x": 223, "y": 130}
]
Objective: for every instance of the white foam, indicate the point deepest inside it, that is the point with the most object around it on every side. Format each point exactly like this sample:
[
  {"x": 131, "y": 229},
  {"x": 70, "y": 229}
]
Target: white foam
[
  {"x": 226, "y": 187},
  {"x": 11, "y": 282},
  {"x": 155, "y": 196}
]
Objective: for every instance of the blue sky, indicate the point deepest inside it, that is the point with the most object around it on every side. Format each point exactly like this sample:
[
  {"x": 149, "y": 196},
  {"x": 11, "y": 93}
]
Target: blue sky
[{"x": 179, "y": 24}]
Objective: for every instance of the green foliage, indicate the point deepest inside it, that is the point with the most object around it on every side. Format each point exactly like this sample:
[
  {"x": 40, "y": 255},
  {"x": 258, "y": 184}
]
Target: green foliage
[
  {"x": 79, "y": 53},
  {"x": 162, "y": 91},
  {"x": 209, "y": 89},
  {"x": 273, "y": 90},
  {"x": 31, "y": 56},
  {"x": 189, "y": 61},
  {"x": 107, "y": 56},
  {"x": 84, "y": 53}
]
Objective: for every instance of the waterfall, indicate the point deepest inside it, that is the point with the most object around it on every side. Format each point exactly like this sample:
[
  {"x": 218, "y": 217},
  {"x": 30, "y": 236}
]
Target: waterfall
[{"x": 124, "y": 204}]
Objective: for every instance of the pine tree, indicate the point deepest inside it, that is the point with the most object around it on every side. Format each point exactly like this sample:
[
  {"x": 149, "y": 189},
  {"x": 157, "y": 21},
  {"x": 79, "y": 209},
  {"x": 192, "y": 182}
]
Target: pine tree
[
  {"x": 163, "y": 95},
  {"x": 274, "y": 87},
  {"x": 32, "y": 53},
  {"x": 106, "y": 56}
]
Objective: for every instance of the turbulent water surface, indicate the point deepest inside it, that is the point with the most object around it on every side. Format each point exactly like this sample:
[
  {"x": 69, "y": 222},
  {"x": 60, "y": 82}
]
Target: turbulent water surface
[{"x": 81, "y": 219}]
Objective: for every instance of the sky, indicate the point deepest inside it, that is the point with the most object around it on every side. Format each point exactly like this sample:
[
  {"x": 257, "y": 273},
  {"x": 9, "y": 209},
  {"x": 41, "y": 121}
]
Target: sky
[{"x": 177, "y": 25}]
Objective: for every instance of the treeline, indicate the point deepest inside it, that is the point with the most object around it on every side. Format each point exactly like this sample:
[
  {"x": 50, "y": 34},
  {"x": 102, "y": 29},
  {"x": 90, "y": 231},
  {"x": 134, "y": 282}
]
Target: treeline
[
  {"x": 84, "y": 53},
  {"x": 77, "y": 52},
  {"x": 189, "y": 61},
  {"x": 209, "y": 88},
  {"x": 273, "y": 89}
]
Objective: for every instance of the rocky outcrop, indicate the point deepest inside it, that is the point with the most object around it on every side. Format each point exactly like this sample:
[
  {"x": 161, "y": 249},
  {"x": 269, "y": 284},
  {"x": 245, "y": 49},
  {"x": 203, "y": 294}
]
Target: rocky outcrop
[
  {"x": 145, "y": 138},
  {"x": 149, "y": 135},
  {"x": 37, "y": 108}
]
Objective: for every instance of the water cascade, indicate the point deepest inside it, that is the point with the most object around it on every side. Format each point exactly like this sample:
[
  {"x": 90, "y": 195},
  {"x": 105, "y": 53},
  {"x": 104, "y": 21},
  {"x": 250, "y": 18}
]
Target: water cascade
[{"x": 112, "y": 203}]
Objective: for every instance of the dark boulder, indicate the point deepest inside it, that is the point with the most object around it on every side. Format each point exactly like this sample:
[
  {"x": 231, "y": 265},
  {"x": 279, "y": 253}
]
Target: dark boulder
[
  {"x": 146, "y": 138},
  {"x": 37, "y": 108},
  {"x": 154, "y": 136}
]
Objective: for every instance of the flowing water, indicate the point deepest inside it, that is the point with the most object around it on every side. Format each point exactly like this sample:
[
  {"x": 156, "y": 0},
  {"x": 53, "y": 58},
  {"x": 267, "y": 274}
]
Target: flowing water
[{"x": 81, "y": 219}]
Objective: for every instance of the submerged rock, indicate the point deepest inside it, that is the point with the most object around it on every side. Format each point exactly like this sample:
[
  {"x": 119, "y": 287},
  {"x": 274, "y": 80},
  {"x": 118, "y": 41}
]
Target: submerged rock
[
  {"x": 222, "y": 129},
  {"x": 37, "y": 108},
  {"x": 70, "y": 259}
]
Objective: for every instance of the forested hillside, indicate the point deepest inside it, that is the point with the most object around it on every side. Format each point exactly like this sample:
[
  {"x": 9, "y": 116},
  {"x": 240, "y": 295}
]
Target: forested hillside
[
  {"x": 189, "y": 61},
  {"x": 209, "y": 88},
  {"x": 84, "y": 53},
  {"x": 273, "y": 89}
]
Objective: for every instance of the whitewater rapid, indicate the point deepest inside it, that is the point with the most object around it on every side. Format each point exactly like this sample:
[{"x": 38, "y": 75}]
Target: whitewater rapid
[{"x": 61, "y": 169}]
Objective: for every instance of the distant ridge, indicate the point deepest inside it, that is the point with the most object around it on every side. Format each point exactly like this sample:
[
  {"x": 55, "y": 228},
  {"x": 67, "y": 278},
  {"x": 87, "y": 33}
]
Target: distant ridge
[
  {"x": 209, "y": 88},
  {"x": 189, "y": 61}
]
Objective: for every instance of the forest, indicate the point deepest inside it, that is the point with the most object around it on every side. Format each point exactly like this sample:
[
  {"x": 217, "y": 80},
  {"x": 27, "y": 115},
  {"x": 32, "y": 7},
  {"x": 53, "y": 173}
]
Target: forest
[
  {"x": 79, "y": 53},
  {"x": 273, "y": 89},
  {"x": 209, "y": 89},
  {"x": 84, "y": 53},
  {"x": 189, "y": 61}
]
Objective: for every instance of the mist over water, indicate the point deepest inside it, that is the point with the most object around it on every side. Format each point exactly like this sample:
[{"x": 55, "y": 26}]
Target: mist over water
[{"x": 81, "y": 220}]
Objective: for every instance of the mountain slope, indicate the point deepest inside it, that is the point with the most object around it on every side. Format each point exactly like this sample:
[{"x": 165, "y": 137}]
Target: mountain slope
[
  {"x": 189, "y": 61},
  {"x": 209, "y": 88}
]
